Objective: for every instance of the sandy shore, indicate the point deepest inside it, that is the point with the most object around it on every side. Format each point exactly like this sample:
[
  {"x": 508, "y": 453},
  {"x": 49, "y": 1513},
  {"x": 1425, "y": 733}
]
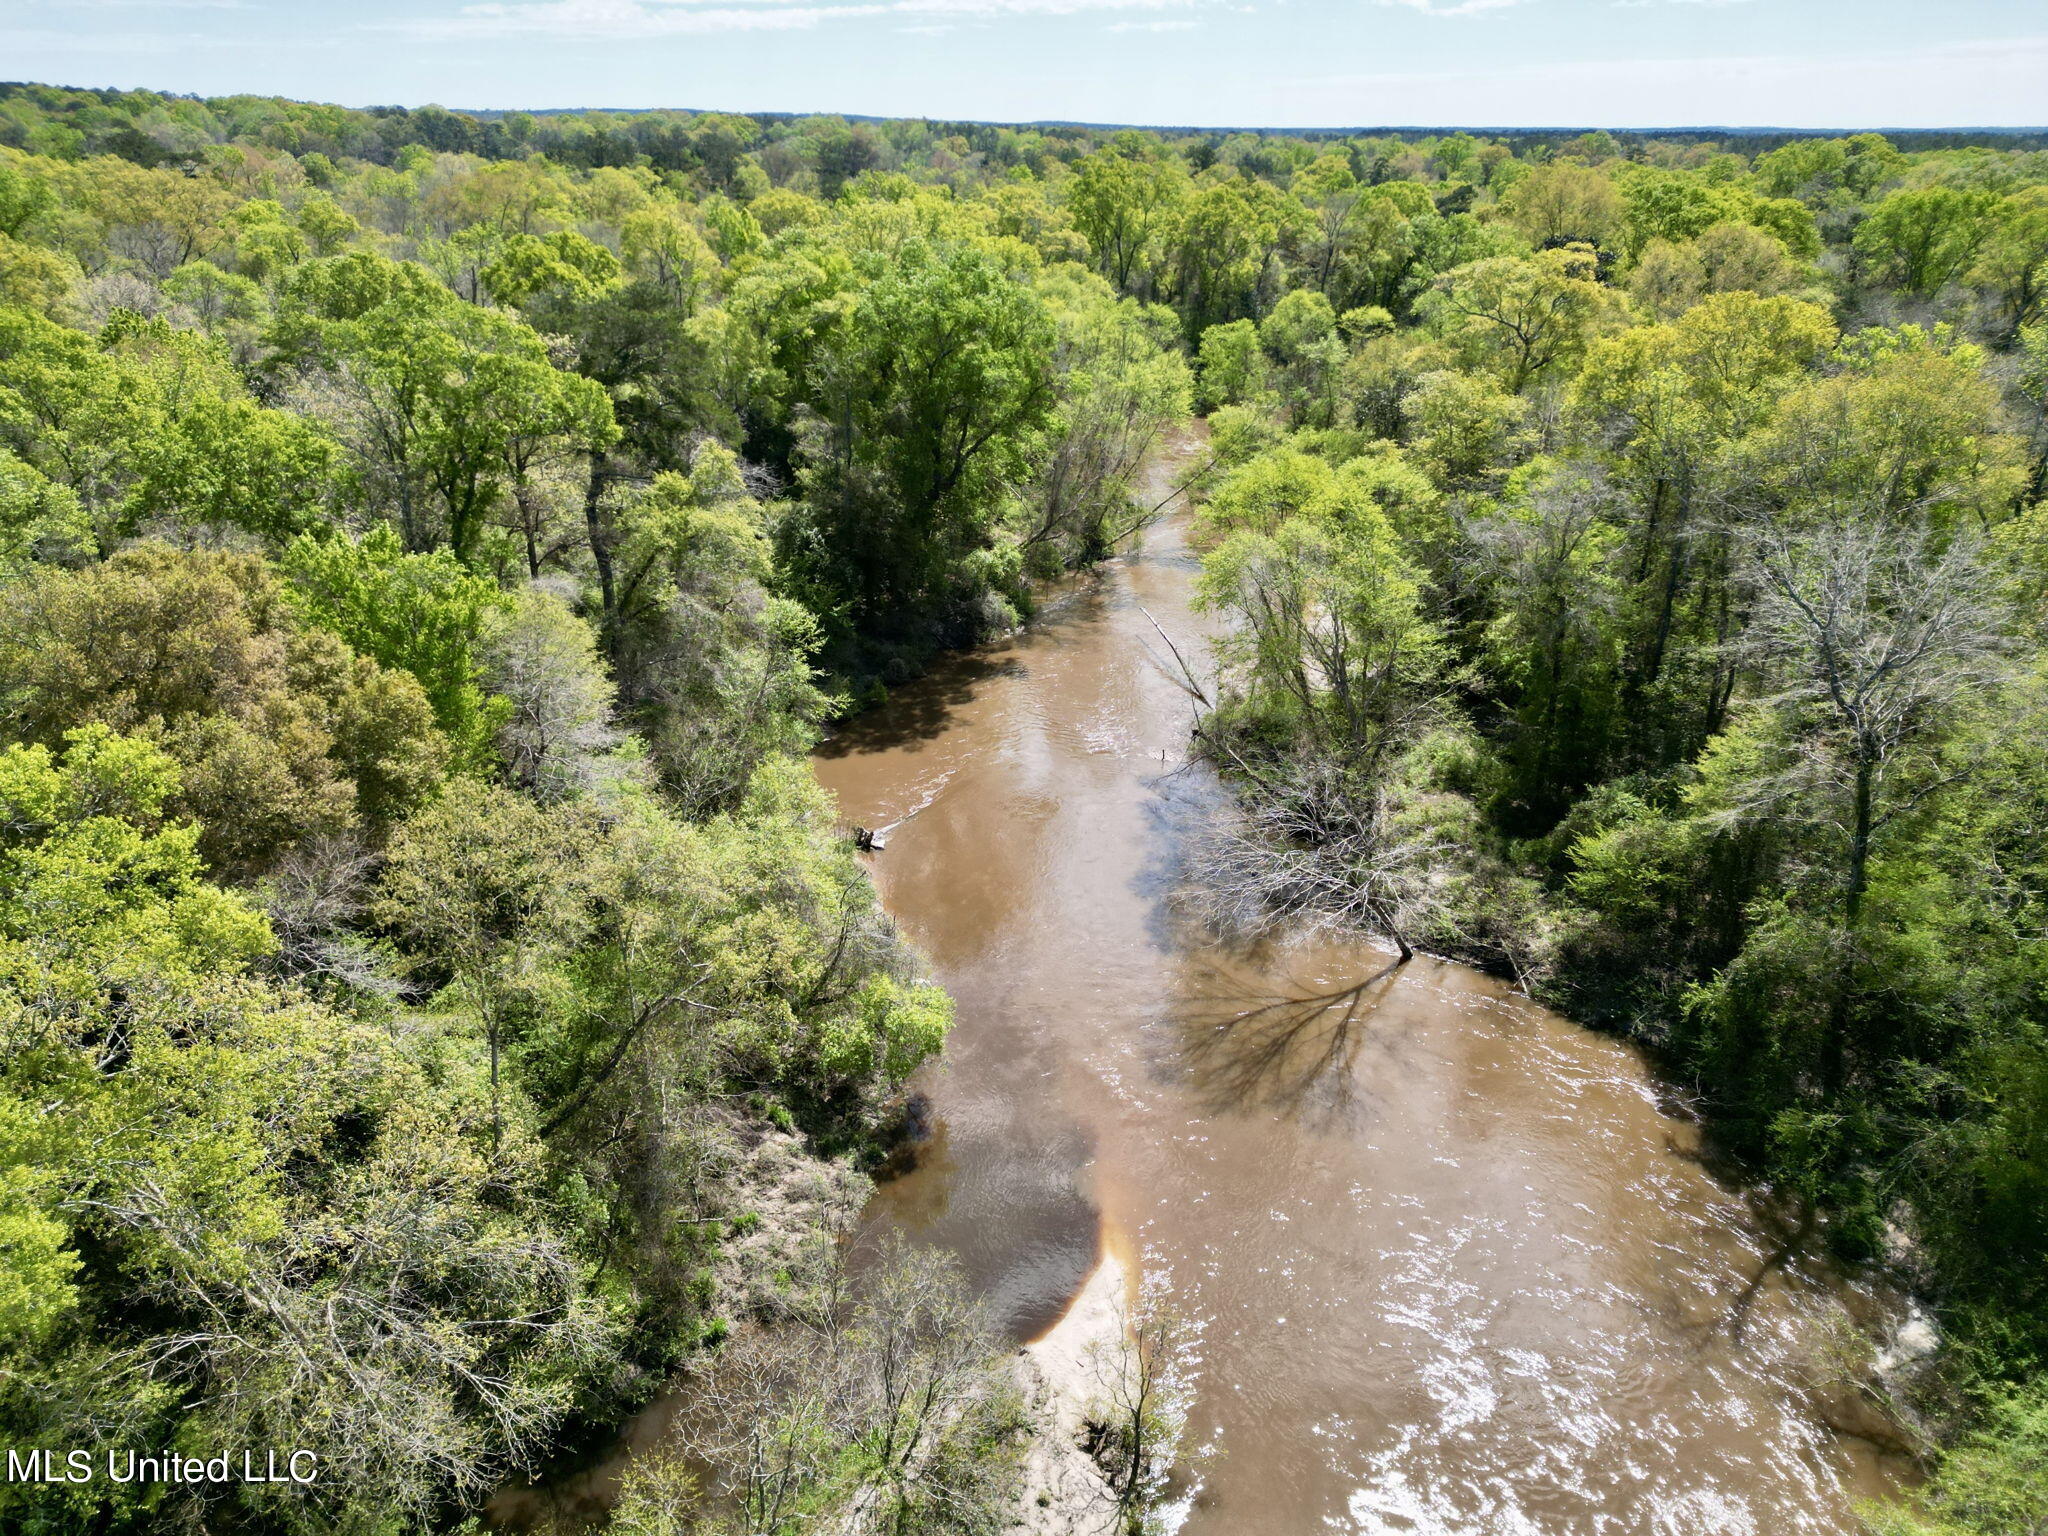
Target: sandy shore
[{"x": 1064, "y": 1374}]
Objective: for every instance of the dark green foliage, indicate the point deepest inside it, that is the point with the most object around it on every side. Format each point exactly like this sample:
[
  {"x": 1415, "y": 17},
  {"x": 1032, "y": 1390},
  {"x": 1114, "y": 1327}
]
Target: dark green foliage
[{"x": 918, "y": 413}]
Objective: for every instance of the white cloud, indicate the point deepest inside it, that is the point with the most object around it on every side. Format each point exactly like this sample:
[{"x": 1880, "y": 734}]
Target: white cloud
[
  {"x": 619, "y": 20},
  {"x": 26, "y": 40},
  {"x": 616, "y": 20},
  {"x": 148, "y": 5},
  {"x": 1453, "y": 7},
  {"x": 1152, "y": 26},
  {"x": 1967, "y": 84}
]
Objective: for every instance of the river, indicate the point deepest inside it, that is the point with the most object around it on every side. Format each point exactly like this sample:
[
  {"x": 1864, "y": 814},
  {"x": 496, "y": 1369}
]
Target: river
[{"x": 1459, "y": 1266}]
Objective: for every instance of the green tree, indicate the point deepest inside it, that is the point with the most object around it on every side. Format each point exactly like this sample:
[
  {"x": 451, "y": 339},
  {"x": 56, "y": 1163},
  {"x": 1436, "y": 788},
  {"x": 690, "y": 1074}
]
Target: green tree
[
  {"x": 1300, "y": 336},
  {"x": 34, "y": 279},
  {"x": 470, "y": 882},
  {"x": 37, "y": 518},
  {"x": 23, "y": 196},
  {"x": 1670, "y": 399},
  {"x": 1232, "y": 363},
  {"x": 155, "y": 424},
  {"x": 924, "y": 407},
  {"x": 1228, "y": 236},
  {"x": 266, "y": 243},
  {"x": 2011, "y": 266},
  {"x": 1924, "y": 239},
  {"x": 716, "y": 669},
  {"x": 1123, "y": 208},
  {"x": 420, "y": 614},
  {"x": 432, "y": 394},
  {"x": 1563, "y": 204},
  {"x": 218, "y": 298},
  {"x": 563, "y": 264},
  {"x": 1333, "y": 633},
  {"x": 1550, "y": 555},
  {"x": 1522, "y": 316},
  {"x": 280, "y": 731},
  {"x": 662, "y": 247},
  {"x": 1908, "y": 427},
  {"x": 1991, "y": 1482},
  {"x": 326, "y": 225},
  {"x": 1121, "y": 383}
]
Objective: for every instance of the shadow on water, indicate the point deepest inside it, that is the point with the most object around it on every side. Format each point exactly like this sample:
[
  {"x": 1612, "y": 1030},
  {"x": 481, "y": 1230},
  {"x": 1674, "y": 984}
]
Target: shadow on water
[
  {"x": 1294, "y": 1052},
  {"x": 924, "y": 708},
  {"x": 1182, "y": 803},
  {"x": 1243, "y": 1039},
  {"x": 920, "y": 711},
  {"x": 1792, "y": 1244}
]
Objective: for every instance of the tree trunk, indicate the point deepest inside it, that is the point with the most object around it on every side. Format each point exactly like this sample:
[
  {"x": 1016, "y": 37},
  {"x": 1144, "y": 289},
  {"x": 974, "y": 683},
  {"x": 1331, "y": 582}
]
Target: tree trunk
[
  {"x": 529, "y": 517},
  {"x": 1859, "y": 841},
  {"x": 1667, "y": 605},
  {"x": 1835, "y": 1048},
  {"x": 601, "y": 553},
  {"x": 408, "y": 518}
]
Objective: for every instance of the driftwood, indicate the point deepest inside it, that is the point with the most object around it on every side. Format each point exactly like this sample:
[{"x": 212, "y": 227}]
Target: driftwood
[
  {"x": 1187, "y": 680},
  {"x": 875, "y": 839}
]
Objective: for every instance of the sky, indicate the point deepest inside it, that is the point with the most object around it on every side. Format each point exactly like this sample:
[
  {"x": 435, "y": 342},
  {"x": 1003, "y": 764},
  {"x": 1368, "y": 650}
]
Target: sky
[{"x": 1267, "y": 63}]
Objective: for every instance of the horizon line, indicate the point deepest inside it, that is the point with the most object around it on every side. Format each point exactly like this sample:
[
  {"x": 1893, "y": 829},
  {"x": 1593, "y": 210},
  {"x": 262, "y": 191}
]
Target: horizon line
[{"x": 1082, "y": 123}]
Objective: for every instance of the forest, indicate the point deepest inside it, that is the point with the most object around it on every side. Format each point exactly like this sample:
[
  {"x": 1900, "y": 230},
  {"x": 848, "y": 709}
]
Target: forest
[{"x": 438, "y": 1005}]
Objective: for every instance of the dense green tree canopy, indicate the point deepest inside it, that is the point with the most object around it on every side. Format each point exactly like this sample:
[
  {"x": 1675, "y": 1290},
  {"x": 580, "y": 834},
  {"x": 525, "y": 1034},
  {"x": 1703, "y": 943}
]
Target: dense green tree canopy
[{"x": 429, "y": 542}]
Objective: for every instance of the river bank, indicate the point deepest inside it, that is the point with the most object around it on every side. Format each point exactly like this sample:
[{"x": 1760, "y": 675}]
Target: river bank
[
  {"x": 1458, "y": 1261},
  {"x": 1062, "y": 1375}
]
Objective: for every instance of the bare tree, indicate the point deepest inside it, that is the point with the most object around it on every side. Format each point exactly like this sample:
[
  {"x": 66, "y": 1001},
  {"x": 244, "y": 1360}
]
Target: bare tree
[
  {"x": 1872, "y": 633},
  {"x": 1309, "y": 840},
  {"x": 314, "y": 897},
  {"x": 879, "y": 1407},
  {"x": 1144, "y": 1389},
  {"x": 558, "y": 737}
]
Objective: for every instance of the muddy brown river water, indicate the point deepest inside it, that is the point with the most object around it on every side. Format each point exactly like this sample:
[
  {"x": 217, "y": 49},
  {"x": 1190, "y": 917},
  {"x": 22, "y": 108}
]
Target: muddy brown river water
[{"x": 1459, "y": 1268}]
